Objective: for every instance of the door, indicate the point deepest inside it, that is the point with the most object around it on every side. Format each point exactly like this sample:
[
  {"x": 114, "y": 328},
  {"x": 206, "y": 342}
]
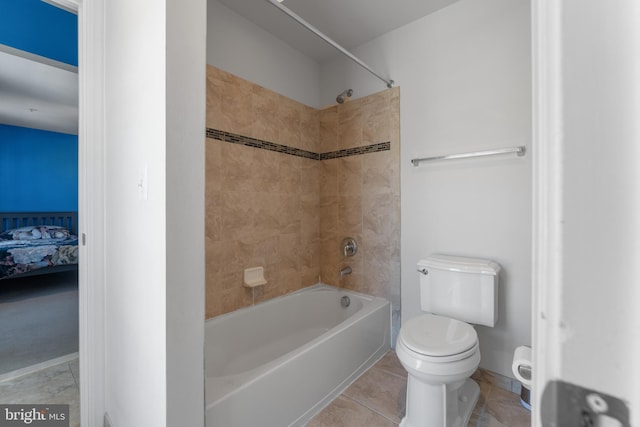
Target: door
[{"x": 586, "y": 213}]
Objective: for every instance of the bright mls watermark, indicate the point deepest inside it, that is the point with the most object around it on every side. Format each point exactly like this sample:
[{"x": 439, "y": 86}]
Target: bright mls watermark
[{"x": 34, "y": 415}]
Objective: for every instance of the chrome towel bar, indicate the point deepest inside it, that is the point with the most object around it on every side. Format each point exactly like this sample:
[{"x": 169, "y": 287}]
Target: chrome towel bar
[{"x": 520, "y": 151}]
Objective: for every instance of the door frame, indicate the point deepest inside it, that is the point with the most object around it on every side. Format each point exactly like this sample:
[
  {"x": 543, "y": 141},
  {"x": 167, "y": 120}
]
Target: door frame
[
  {"x": 547, "y": 195},
  {"x": 92, "y": 179},
  {"x": 585, "y": 119},
  {"x": 91, "y": 206}
]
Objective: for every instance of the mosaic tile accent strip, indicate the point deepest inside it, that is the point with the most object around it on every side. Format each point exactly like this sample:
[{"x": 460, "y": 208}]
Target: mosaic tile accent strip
[
  {"x": 271, "y": 146},
  {"x": 373, "y": 148},
  {"x": 258, "y": 143}
]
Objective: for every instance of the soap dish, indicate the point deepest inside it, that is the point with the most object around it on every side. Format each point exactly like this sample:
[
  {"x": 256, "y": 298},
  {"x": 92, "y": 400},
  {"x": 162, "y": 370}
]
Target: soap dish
[{"x": 254, "y": 277}]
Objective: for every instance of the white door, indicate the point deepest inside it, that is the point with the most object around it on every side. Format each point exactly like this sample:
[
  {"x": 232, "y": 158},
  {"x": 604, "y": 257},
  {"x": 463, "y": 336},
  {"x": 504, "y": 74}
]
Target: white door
[{"x": 586, "y": 310}]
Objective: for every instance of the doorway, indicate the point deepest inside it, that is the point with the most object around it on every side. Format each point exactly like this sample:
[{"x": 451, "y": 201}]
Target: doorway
[{"x": 40, "y": 312}]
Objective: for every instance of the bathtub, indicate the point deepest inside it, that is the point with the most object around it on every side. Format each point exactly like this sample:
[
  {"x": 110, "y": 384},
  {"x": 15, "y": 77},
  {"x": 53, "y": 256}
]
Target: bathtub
[{"x": 280, "y": 362}]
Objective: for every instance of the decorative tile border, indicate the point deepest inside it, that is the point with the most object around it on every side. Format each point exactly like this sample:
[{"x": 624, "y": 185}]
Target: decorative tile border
[
  {"x": 373, "y": 148},
  {"x": 258, "y": 143},
  {"x": 271, "y": 146}
]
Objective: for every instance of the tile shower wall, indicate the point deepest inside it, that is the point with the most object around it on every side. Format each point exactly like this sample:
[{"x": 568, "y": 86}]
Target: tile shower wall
[
  {"x": 360, "y": 195},
  {"x": 261, "y": 206},
  {"x": 287, "y": 212}
]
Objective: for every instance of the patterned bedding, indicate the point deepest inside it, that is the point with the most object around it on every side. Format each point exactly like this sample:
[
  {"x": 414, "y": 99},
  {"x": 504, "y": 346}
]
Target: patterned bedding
[{"x": 26, "y": 249}]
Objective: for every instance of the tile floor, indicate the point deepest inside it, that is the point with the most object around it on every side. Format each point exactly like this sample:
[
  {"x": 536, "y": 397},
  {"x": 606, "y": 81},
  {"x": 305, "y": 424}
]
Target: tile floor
[
  {"x": 376, "y": 399},
  {"x": 56, "y": 384}
]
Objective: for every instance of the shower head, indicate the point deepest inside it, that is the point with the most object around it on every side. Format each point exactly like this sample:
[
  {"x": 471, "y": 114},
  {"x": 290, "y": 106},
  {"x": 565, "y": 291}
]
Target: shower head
[{"x": 340, "y": 98}]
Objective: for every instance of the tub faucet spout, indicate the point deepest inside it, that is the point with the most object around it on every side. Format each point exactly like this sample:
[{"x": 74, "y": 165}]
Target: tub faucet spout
[{"x": 344, "y": 271}]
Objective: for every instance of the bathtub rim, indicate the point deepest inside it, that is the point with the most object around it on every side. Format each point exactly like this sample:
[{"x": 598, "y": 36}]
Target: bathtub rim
[{"x": 317, "y": 286}]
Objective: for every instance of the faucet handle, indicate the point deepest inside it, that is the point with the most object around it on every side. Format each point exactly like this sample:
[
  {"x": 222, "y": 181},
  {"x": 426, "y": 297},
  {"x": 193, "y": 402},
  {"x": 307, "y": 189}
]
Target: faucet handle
[{"x": 349, "y": 246}]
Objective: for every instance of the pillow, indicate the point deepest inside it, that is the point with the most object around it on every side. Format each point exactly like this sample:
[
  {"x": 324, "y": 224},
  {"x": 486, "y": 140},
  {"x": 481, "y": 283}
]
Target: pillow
[{"x": 36, "y": 232}]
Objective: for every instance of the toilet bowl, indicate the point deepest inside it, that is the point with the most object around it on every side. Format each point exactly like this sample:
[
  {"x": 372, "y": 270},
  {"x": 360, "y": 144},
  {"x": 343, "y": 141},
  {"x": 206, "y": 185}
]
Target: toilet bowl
[
  {"x": 438, "y": 349},
  {"x": 439, "y": 354}
]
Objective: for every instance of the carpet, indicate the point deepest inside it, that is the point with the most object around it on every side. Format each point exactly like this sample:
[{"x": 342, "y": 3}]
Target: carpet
[{"x": 38, "y": 319}]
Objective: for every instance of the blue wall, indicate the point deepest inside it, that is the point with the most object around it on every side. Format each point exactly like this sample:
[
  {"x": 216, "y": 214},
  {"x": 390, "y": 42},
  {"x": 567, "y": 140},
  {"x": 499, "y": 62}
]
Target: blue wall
[
  {"x": 38, "y": 170},
  {"x": 37, "y": 27}
]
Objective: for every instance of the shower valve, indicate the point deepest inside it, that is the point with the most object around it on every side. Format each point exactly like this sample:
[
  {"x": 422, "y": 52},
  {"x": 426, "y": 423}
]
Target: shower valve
[{"x": 349, "y": 246}]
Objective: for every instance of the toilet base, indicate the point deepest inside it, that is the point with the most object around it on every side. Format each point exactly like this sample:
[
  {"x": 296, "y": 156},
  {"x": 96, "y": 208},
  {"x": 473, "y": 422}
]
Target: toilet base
[
  {"x": 425, "y": 400},
  {"x": 468, "y": 397}
]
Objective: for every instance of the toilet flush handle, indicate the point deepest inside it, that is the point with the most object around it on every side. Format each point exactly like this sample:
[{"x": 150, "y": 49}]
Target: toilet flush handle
[{"x": 423, "y": 271}]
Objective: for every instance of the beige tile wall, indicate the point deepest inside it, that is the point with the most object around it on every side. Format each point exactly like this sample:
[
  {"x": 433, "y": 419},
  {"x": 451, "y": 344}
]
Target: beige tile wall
[
  {"x": 261, "y": 206},
  {"x": 360, "y": 195},
  {"x": 288, "y": 213}
]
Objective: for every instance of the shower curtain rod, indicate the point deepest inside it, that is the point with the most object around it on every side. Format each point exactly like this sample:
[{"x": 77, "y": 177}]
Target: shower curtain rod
[{"x": 324, "y": 37}]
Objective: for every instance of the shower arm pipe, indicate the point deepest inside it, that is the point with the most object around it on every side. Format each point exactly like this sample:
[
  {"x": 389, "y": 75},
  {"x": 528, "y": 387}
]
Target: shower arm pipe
[{"x": 326, "y": 38}]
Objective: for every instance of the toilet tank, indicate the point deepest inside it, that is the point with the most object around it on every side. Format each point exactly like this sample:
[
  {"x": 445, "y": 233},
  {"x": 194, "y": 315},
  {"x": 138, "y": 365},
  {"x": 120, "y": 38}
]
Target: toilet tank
[{"x": 462, "y": 288}]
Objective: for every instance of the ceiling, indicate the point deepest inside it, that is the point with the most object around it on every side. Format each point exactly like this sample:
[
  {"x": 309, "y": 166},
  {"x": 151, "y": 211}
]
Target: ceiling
[
  {"x": 42, "y": 94},
  {"x": 38, "y": 95},
  {"x": 38, "y": 66},
  {"x": 350, "y": 23}
]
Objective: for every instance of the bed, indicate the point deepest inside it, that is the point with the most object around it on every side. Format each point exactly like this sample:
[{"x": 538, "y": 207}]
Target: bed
[{"x": 34, "y": 243}]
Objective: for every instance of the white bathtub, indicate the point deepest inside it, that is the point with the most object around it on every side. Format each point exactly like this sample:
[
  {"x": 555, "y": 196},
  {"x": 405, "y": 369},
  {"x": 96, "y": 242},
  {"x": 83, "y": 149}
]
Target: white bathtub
[{"x": 279, "y": 362}]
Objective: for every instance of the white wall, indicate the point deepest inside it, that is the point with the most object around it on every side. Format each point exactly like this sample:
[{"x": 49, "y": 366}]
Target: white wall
[
  {"x": 238, "y": 46},
  {"x": 464, "y": 76},
  {"x": 144, "y": 71},
  {"x": 135, "y": 258}
]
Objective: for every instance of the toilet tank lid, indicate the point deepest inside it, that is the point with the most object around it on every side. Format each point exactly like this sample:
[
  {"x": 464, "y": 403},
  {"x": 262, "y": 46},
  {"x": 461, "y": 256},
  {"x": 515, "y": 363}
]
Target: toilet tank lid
[{"x": 461, "y": 264}]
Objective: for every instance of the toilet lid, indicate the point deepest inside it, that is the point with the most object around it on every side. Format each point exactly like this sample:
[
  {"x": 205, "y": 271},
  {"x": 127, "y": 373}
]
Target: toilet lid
[{"x": 434, "y": 335}]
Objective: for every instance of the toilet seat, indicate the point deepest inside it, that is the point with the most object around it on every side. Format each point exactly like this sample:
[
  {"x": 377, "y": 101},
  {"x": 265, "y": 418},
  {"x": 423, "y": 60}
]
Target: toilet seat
[{"x": 439, "y": 338}]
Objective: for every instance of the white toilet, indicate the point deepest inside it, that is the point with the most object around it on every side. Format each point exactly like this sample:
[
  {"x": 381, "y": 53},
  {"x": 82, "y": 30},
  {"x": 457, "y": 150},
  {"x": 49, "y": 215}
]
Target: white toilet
[{"x": 438, "y": 349}]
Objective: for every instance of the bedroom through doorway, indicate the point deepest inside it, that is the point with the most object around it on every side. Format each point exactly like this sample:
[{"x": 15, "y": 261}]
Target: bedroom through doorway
[{"x": 39, "y": 298}]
